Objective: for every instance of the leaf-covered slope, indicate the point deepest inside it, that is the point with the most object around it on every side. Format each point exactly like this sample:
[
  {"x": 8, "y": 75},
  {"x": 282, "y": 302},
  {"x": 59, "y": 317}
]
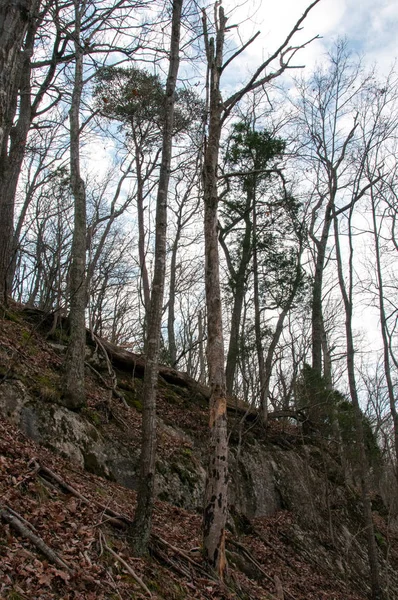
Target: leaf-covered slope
[
  {"x": 81, "y": 518},
  {"x": 68, "y": 509}
]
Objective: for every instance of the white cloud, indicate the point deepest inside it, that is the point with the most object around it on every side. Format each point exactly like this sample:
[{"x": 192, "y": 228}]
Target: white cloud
[{"x": 369, "y": 27}]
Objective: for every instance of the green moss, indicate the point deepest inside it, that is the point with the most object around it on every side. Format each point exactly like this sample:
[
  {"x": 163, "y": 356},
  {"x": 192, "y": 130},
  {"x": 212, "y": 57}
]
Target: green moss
[
  {"x": 46, "y": 388},
  {"x": 171, "y": 591},
  {"x": 186, "y": 476},
  {"x": 161, "y": 468},
  {"x": 15, "y": 596},
  {"x": 381, "y": 541},
  {"x": 14, "y": 317},
  {"x": 172, "y": 396},
  {"x": 154, "y": 586},
  {"x": 132, "y": 398},
  {"x": 60, "y": 335},
  {"x": 137, "y": 404},
  {"x": 92, "y": 416}
]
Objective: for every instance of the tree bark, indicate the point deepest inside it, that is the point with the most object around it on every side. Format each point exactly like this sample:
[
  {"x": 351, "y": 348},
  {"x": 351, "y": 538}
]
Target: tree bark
[
  {"x": 317, "y": 316},
  {"x": 384, "y": 331},
  {"x": 141, "y": 230},
  {"x": 215, "y": 510},
  {"x": 377, "y": 593},
  {"x": 215, "y": 504},
  {"x": 74, "y": 380},
  {"x": 172, "y": 296},
  {"x": 15, "y": 19},
  {"x": 202, "y": 361},
  {"x": 239, "y": 278},
  {"x": 141, "y": 528},
  {"x": 257, "y": 322}
]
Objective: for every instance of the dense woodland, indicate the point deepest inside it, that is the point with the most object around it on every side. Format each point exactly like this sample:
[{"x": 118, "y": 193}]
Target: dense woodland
[{"x": 247, "y": 236}]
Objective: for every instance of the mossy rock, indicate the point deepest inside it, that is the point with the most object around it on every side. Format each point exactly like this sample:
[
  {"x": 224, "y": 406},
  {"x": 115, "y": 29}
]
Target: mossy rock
[
  {"x": 381, "y": 541},
  {"x": 47, "y": 388},
  {"x": 132, "y": 399},
  {"x": 186, "y": 476},
  {"x": 92, "y": 415},
  {"x": 12, "y": 316},
  {"x": 92, "y": 465},
  {"x": 172, "y": 397}
]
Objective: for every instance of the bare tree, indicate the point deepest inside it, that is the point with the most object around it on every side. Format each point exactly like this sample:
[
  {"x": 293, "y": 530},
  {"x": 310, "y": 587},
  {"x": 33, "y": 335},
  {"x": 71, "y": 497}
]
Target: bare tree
[
  {"x": 324, "y": 102},
  {"x": 141, "y": 528},
  {"x": 215, "y": 505},
  {"x": 17, "y": 25},
  {"x": 184, "y": 208},
  {"x": 347, "y": 295},
  {"x": 74, "y": 364}
]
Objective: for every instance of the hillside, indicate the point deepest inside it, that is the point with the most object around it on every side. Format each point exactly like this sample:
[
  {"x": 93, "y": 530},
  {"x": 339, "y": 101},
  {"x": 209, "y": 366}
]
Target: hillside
[{"x": 67, "y": 490}]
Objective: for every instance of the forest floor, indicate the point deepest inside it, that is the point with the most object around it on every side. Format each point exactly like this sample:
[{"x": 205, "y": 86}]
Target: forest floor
[{"x": 64, "y": 532}]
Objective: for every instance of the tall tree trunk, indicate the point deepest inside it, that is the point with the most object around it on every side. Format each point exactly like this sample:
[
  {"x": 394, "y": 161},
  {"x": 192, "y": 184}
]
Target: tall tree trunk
[
  {"x": 141, "y": 231},
  {"x": 377, "y": 593},
  {"x": 74, "y": 384},
  {"x": 268, "y": 365},
  {"x": 257, "y": 322},
  {"x": 15, "y": 19},
  {"x": 172, "y": 297},
  {"x": 141, "y": 528},
  {"x": 215, "y": 509},
  {"x": 384, "y": 331},
  {"x": 215, "y": 505},
  {"x": 202, "y": 361},
  {"x": 317, "y": 317},
  {"x": 239, "y": 278}
]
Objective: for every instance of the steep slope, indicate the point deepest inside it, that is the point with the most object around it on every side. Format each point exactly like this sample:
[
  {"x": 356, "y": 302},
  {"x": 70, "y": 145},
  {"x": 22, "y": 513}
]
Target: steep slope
[{"x": 295, "y": 527}]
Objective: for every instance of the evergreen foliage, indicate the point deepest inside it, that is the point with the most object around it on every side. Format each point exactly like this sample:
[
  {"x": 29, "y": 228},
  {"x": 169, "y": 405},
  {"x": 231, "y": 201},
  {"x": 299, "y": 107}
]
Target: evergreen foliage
[{"x": 331, "y": 414}]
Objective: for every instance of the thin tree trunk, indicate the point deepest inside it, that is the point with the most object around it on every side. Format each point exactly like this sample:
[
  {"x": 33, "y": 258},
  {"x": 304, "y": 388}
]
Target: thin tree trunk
[
  {"x": 377, "y": 593},
  {"x": 141, "y": 528},
  {"x": 257, "y": 323},
  {"x": 239, "y": 278},
  {"x": 384, "y": 333},
  {"x": 317, "y": 318},
  {"x": 202, "y": 364},
  {"x": 141, "y": 234},
  {"x": 74, "y": 383},
  {"x": 268, "y": 365},
  {"x": 172, "y": 297}
]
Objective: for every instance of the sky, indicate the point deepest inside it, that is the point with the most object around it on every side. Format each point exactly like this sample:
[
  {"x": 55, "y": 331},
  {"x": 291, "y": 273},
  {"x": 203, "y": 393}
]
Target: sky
[
  {"x": 370, "y": 27},
  {"x": 371, "y": 31}
]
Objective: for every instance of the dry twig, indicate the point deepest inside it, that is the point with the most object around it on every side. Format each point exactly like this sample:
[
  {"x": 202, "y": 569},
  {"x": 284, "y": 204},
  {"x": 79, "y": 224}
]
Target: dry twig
[{"x": 125, "y": 565}]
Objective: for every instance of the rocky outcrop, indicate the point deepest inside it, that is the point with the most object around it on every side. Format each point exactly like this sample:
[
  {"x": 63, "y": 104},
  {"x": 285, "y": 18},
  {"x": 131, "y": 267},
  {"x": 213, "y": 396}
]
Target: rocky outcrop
[
  {"x": 263, "y": 476},
  {"x": 95, "y": 448}
]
